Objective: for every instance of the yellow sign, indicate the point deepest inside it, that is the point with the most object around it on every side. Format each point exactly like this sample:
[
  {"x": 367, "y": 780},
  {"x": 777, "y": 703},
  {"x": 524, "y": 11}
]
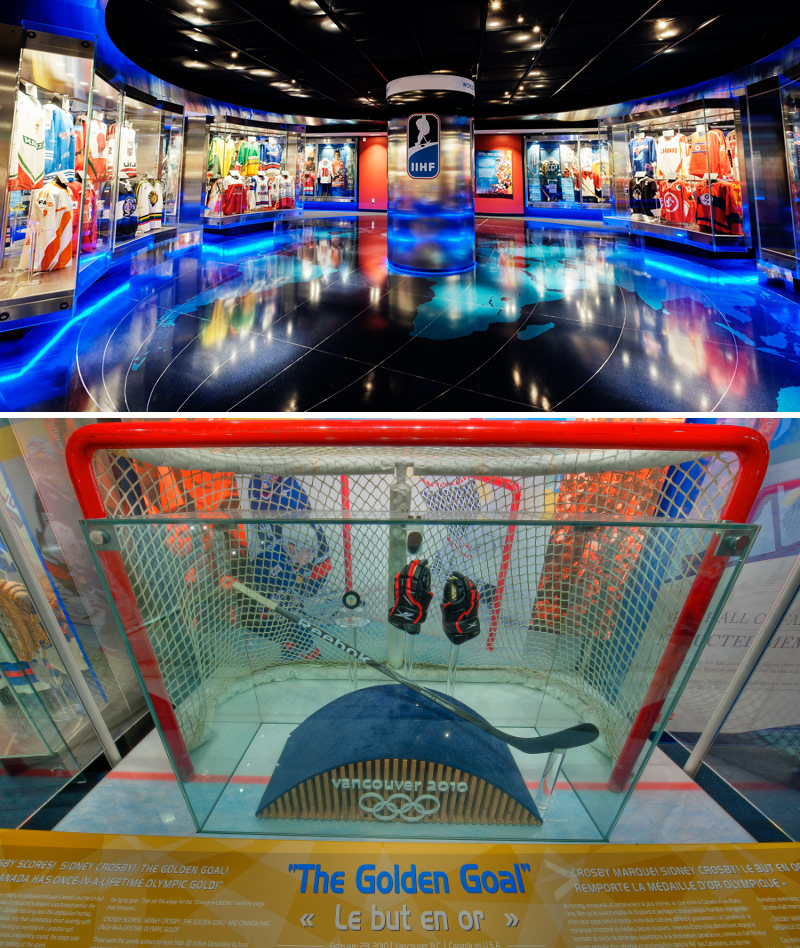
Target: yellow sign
[{"x": 110, "y": 891}]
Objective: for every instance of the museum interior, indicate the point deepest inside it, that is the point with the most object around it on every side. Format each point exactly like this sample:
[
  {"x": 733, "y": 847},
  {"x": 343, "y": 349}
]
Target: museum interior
[{"x": 308, "y": 205}]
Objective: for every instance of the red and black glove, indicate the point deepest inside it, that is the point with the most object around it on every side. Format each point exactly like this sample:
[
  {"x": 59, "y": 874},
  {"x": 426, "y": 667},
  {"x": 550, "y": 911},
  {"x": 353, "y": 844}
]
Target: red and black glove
[
  {"x": 460, "y": 602},
  {"x": 412, "y": 596}
]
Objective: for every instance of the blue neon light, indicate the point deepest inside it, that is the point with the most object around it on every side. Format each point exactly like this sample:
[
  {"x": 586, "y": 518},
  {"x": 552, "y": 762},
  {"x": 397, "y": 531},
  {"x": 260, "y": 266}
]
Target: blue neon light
[
  {"x": 702, "y": 274},
  {"x": 14, "y": 376}
]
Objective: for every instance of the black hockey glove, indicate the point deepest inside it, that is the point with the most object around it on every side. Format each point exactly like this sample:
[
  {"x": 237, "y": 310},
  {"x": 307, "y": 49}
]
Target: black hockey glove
[
  {"x": 412, "y": 596},
  {"x": 460, "y": 602}
]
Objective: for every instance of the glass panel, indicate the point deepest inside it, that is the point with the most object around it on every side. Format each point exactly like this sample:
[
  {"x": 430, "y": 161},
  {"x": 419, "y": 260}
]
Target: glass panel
[
  {"x": 790, "y": 95},
  {"x": 39, "y": 709},
  {"x": 260, "y": 712},
  {"x": 37, "y": 474},
  {"x": 44, "y": 202},
  {"x": 684, "y": 176},
  {"x": 93, "y": 166},
  {"x": 330, "y": 169},
  {"x": 251, "y": 170},
  {"x": 758, "y": 747},
  {"x": 571, "y": 170},
  {"x": 171, "y": 163}
]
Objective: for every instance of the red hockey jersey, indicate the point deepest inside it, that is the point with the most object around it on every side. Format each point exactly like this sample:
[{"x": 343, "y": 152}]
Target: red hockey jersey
[
  {"x": 720, "y": 202},
  {"x": 677, "y": 202},
  {"x": 234, "y": 197},
  {"x": 708, "y": 153}
]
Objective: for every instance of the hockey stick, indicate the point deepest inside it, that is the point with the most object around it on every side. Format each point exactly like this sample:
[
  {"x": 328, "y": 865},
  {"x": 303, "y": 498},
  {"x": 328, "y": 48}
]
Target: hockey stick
[{"x": 575, "y": 736}]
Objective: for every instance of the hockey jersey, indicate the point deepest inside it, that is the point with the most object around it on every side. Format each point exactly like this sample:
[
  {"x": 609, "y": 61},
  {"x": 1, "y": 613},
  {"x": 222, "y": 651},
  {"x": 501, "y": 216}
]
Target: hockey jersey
[
  {"x": 337, "y": 174},
  {"x": 214, "y": 197},
  {"x": 91, "y": 150},
  {"x": 125, "y": 216},
  {"x": 325, "y": 170},
  {"x": 234, "y": 199},
  {"x": 149, "y": 205},
  {"x": 259, "y": 193},
  {"x": 590, "y": 184},
  {"x": 49, "y": 233},
  {"x": 719, "y": 207},
  {"x": 87, "y": 232},
  {"x": 677, "y": 202},
  {"x": 28, "y": 146},
  {"x": 708, "y": 154},
  {"x": 642, "y": 153},
  {"x": 270, "y": 156},
  {"x": 59, "y": 142},
  {"x": 247, "y": 159},
  {"x": 123, "y": 138},
  {"x": 643, "y": 196},
  {"x": 308, "y": 182},
  {"x": 286, "y": 192},
  {"x": 221, "y": 156},
  {"x": 671, "y": 155}
]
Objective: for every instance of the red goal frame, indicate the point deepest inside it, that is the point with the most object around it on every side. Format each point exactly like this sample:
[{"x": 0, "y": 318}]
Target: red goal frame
[{"x": 747, "y": 444}]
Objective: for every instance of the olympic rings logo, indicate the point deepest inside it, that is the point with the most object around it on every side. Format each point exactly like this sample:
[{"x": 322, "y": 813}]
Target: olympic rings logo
[{"x": 387, "y": 809}]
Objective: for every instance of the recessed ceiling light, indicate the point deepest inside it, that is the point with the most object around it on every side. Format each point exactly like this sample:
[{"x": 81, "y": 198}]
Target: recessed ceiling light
[
  {"x": 495, "y": 4},
  {"x": 194, "y": 64},
  {"x": 281, "y": 85},
  {"x": 537, "y": 29},
  {"x": 667, "y": 33},
  {"x": 506, "y": 93},
  {"x": 522, "y": 37},
  {"x": 234, "y": 55},
  {"x": 265, "y": 73},
  {"x": 494, "y": 24},
  {"x": 520, "y": 18}
]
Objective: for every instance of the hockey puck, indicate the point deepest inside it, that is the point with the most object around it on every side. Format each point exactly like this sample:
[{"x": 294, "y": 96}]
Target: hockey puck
[
  {"x": 351, "y": 599},
  {"x": 414, "y": 541}
]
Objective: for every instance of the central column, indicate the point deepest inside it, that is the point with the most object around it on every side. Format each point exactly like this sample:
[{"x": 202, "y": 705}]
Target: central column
[{"x": 431, "y": 208}]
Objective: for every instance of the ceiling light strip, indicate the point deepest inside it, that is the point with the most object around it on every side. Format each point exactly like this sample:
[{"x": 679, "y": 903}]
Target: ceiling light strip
[
  {"x": 608, "y": 46},
  {"x": 542, "y": 48},
  {"x": 666, "y": 49}
]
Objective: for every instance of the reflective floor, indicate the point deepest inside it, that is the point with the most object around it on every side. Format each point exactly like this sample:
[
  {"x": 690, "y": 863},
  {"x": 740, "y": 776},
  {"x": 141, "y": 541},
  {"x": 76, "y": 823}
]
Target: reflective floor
[{"x": 309, "y": 318}]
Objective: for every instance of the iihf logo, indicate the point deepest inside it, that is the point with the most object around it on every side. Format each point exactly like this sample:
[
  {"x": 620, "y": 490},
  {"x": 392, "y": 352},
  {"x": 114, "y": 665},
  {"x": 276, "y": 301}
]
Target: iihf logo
[{"x": 423, "y": 145}]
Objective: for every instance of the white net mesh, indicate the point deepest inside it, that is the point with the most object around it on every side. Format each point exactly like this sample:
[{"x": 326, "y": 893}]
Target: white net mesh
[{"x": 578, "y": 596}]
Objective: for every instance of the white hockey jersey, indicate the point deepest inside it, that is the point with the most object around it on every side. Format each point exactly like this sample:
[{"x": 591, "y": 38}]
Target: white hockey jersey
[
  {"x": 671, "y": 156},
  {"x": 28, "y": 147},
  {"x": 325, "y": 171},
  {"x": 49, "y": 232}
]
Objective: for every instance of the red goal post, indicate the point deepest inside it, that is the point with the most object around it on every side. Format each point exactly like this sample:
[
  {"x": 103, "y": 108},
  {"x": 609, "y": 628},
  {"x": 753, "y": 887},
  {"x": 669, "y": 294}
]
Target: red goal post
[{"x": 748, "y": 447}]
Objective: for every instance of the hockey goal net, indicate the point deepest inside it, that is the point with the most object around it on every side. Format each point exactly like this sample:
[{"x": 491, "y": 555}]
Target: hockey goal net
[{"x": 588, "y": 588}]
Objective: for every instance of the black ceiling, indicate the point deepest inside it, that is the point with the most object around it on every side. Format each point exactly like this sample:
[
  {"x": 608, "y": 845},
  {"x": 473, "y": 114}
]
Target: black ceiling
[{"x": 331, "y": 58}]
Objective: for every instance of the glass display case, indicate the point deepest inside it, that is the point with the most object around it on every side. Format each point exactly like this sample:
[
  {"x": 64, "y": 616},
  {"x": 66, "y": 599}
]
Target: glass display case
[
  {"x": 171, "y": 163},
  {"x": 144, "y": 148},
  {"x": 252, "y": 173},
  {"x": 261, "y": 609},
  {"x": 681, "y": 176},
  {"x": 93, "y": 166},
  {"x": 47, "y": 96},
  {"x": 566, "y": 170},
  {"x": 330, "y": 170}
]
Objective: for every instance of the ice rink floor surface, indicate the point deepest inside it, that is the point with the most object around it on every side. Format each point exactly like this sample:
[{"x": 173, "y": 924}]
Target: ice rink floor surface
[
  {"x": 142, "y": 796},
  {"x": 312, "y": 318}
]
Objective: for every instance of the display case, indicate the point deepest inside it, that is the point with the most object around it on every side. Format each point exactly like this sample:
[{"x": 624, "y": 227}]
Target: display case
[
  {"x": 171, "y": 163},
  {"x": 45, "y": 95},
  {"x": 680, "y": 176},
  {"x": 330, "y": 170},
  {"x": 254, "y": 573},
  {"x": 252, "y": 173},
  {"x": 566, "y": 170},
  {"x": 93, "y": 167},
  {"x": 142, "y": 148}
]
